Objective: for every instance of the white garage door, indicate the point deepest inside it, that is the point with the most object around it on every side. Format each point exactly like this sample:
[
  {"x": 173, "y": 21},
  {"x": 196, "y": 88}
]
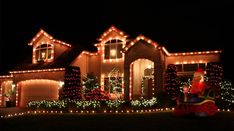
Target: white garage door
[{"x": 32, "y": 90}]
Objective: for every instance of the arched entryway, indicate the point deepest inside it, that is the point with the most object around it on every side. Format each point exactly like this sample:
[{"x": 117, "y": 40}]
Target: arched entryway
[
  {"x": 7, "y": 93},
  {"x": 141, "y": 78},
  {"x": 37, "y": 89},
  {"x": 139, "y": 51}
]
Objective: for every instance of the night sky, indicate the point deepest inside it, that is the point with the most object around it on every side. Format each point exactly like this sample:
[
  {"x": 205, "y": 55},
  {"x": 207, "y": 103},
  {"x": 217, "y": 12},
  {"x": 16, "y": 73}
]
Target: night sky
[{"x": 179, "y": 26}]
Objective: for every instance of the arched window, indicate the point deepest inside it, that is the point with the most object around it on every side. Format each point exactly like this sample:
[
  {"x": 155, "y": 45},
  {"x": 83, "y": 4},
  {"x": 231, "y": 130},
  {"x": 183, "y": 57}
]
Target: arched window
[
  {"x": 43, "y": 52},
  {"x": 113, "y": 49}
]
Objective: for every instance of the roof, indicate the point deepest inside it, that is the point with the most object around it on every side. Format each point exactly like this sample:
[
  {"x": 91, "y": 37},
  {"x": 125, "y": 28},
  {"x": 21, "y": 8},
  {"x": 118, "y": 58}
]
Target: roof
[
  {"x": 109, "y": 30},
  {"x": 62, "y": 61},
  {"x": 43, "y": 33}
]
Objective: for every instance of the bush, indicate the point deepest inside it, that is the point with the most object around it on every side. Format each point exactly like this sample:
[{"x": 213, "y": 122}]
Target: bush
[
  {"x": 114, "y": 104},
  {"x": 142, "y": 104},
  {"x": 93, "y": 105}
]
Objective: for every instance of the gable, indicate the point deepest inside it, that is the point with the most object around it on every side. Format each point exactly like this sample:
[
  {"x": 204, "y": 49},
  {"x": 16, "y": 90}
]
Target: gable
[
  {"x": 112, "y": 32},
  {"x": 40, "y": 36},
  {"x": 141, "y": 38},
  {"x": 46, "y": 48}
]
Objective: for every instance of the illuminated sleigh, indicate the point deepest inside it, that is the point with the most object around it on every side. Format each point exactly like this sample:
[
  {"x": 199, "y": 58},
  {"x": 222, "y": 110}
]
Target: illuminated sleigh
[{"x": 205, "y": 107}]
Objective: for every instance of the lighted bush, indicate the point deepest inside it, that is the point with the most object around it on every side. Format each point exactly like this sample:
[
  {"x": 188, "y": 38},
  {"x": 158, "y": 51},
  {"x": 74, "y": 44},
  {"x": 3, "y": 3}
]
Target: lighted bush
[
  {"x": 113, "y": 104},
  {"x": 144, "y": 103},
  {"x": 88, "y": 104},
  {"x": 93, "y": 105},
  {"x": 47, "y": 104}
]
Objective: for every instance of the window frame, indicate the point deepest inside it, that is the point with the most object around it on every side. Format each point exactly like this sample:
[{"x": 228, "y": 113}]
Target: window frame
[
  {"x": 42, "y": 48},
  {"x": 110, "y": 45}
]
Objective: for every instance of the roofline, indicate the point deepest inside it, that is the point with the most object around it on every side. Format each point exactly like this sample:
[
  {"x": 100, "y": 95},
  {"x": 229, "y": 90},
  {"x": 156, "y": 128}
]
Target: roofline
[
  {"x": 196, "y": 53},
  {"x": 140, "y": 37},
  {"x": 110, "y": 29},
  {"x": 36, "y": 71},
  {"x": 42, "y": 32},
  {"x": 6, "y": 76}
]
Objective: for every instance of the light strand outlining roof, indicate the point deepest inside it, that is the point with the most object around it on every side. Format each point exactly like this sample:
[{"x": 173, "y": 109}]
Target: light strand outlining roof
[
  {"x": 6, "y": 76},
  {"x": 34, "y": 71},
  {"x": 141, "y": 37},
  {"x": 42, "y": 32},
  {"x": 112, "y": 28}
]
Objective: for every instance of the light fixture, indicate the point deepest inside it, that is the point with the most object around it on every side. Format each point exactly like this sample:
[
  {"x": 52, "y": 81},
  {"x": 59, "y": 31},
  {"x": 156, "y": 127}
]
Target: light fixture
[{"x": 113, "y": 52}]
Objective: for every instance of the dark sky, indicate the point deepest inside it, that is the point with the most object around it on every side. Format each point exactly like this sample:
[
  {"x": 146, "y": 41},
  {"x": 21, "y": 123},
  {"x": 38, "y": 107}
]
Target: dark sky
[{"x": 179, "y": 26}]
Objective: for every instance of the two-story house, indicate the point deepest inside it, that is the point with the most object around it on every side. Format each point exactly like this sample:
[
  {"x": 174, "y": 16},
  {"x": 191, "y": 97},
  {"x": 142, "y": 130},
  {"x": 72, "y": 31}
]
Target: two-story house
[{"x": 139, "y": 62}]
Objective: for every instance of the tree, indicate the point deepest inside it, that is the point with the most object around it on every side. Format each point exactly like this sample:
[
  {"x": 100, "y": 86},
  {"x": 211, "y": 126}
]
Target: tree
[
  {"x": 171, "y": 84},
  {"x": 90, "y": 82},
  {"x": 227, "y": 92},
  {"x": 215, "y": 74},
  {"x": 72, "y": 84}
]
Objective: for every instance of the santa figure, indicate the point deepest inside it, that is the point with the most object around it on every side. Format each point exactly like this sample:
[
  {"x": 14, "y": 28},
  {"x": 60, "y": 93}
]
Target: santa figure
[
  {"x": 198, "y": 84},
  {"x": 197, "y": 87}
]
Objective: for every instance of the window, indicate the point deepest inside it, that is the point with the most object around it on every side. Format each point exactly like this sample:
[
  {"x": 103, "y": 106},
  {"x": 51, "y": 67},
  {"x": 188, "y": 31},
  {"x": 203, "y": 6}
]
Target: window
[
  {"x": 113, "y": 84},
  {"x": 203, "y": 66},
  {"x": 43, "y": 52},
  {"x": 113, "y": 49},
  {"x": 179, "y": 68},
  {"x": 190, "y": 67}
]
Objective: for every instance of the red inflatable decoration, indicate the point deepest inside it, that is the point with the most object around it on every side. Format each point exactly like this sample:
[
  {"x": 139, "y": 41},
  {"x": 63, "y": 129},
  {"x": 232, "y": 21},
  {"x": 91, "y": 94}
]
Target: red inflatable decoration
[{"x": 195, "y": 101}]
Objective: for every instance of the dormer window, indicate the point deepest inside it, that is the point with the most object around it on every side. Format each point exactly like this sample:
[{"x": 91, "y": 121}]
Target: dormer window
[
  {"x": 113, "y": 49},
  {"x": 43, "y": 52}
]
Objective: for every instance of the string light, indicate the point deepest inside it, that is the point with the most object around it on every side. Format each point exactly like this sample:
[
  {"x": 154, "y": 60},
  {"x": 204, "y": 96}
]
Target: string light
[
  {"x": 190, "y": 62},
  {"x": 6, "y": 76},
  {"x": 112, "y": 28},
  {"x": 141, "y": 37},
  {"x": 33, "y": 71},
  {"x": 196, "y": 53},
  {"x": 0, "y": 96},
  {"x": 42, "y": 32}
]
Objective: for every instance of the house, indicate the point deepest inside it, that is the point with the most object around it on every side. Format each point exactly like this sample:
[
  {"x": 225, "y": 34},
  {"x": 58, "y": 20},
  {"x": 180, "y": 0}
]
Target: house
[{"x": 137, "y": 63}]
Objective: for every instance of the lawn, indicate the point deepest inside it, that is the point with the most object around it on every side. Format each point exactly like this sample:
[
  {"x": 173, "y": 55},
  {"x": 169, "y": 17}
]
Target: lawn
[{"x": 164, "y": 121}]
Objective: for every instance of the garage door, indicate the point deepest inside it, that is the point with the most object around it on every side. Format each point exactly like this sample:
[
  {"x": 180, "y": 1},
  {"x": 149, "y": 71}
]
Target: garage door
[{"x": 32, "y": 90}]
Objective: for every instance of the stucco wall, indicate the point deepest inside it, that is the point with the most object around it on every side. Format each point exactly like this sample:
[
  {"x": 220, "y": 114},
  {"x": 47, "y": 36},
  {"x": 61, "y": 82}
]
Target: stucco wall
[
  {"x": 196, "y": 58},
  {"x": 95, "y": 65},
  {"x": 107, "y": 67},
  {"x": 82, "y": 61},
  {"x": 59, "y": 49},
  {"x": 58, "y": 76}
]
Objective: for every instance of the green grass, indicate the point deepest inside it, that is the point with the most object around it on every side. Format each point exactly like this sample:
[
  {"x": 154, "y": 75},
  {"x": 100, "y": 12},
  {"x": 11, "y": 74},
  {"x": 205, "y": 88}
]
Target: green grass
[{"x": 165, "y": 121}]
